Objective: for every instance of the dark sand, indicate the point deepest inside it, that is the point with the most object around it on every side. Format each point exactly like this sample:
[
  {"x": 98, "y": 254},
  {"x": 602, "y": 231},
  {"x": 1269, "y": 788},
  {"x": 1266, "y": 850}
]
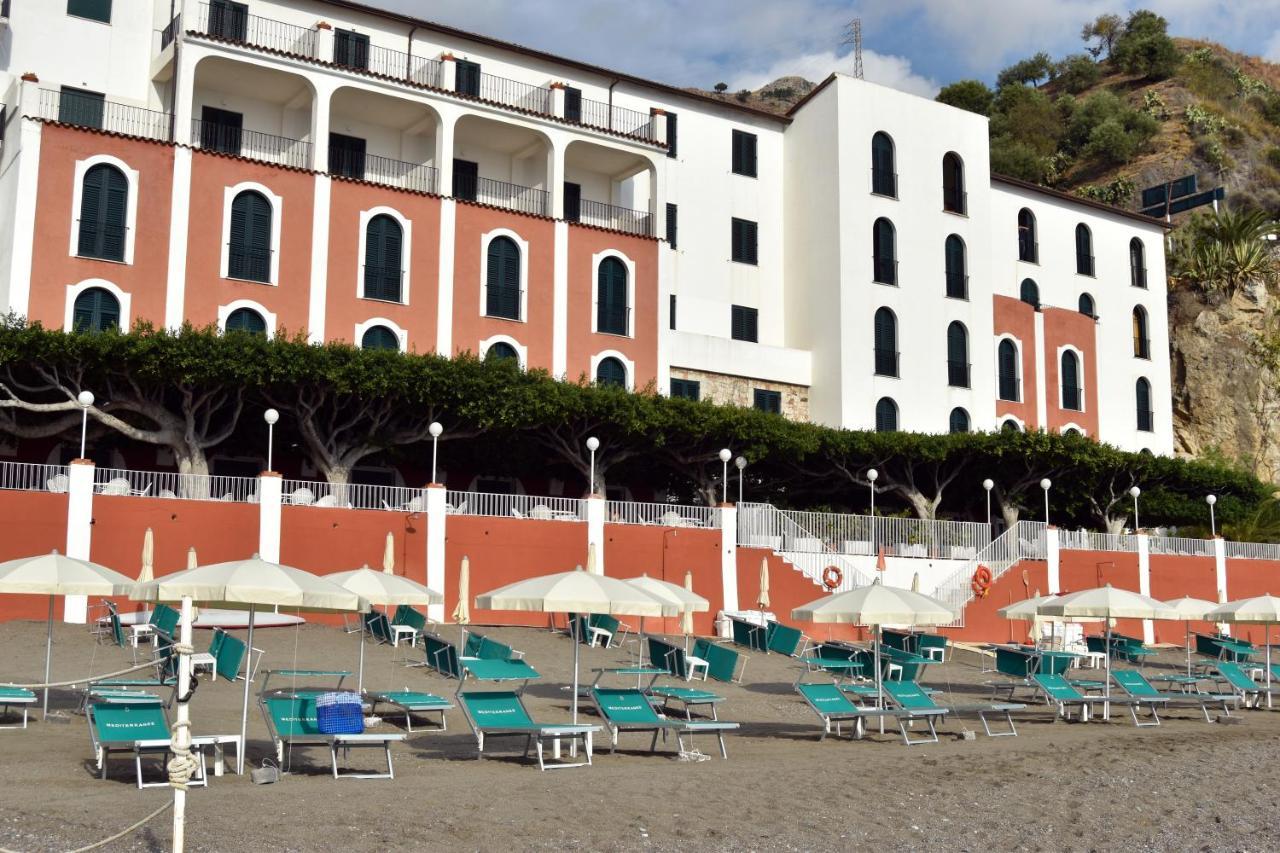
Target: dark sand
[{"x": 1186, "y": 785}]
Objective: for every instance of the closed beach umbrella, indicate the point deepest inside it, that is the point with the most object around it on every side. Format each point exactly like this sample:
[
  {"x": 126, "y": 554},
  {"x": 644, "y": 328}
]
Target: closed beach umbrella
[
  {"x": 389, "y": 554},
  {"x": 462, "y": 610},
  {"x": 54, "y": 574},
  {"x": 593, "y": 563},
  {"x": 382, "y": 588},
  {"x": 686, "y": 619},
  {"x": 762, "y": 600},
  {"x": 192, "y": 562},
  {"x": 148, "y": 572},
  {"x": 1189, "y": 609},
  {"x": 1261, "y": 610}
]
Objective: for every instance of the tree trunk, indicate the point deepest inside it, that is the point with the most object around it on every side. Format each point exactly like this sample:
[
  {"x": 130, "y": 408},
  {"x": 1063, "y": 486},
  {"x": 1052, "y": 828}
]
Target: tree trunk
[
  {"x": 193, "y": 462},
  {"x": 1009, "y": 513},
  {"x": 1115, "y": 525}
]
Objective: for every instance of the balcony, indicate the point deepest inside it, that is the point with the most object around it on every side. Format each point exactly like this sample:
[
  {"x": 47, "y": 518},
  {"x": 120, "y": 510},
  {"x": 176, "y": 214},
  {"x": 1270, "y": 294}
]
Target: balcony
[
  {"x": 86, "y": 109},
  {"x": 415, "y": 177},
  {"x": 235, "y": 25},
  {"x": 613, "y": 118},
  {"x": 393, "y": 64},
  {"x": 508, "y": 93},
  {"x": 600, "y": 215},
  {"x": 250, "y": 144},
  {"x": 502, "y": 194}
]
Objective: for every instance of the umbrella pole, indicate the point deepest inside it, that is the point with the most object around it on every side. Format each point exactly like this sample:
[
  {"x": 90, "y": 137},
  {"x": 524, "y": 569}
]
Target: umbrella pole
[
  {"x": 360, "y": 671},
  {"x": 879, "y": 637},
  {"x": 1106, "y": 683},
  {"x": 244, "y": 707},
  {"x": 1188, "y": 648},
  {"x": 183, "y": 731},
  {"x": 48, "y": 659},
  {"x": 1266, "y": 640}
]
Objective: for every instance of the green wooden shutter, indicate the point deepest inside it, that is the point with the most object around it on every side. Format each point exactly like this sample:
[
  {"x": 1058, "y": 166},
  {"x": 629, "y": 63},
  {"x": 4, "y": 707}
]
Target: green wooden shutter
[
  {"x": 611, "y": 297},
  {"x": 886, "y": 343},
  {"x": 383, "y": 259},
  {"x": 611, "y": 372},
  {"x": 1142, "y": 396},
  {"x": 94, "y": 10},
  {"x": 957, "y": 355},
  {"x": 957, "y": 287},
  {"x": 959, "y": 421},
  {"x": 502, "y": 294},
  {"x": 886, "y": 415},
  {"x": 572, "y": 104},
  {"x": 249, "y": 252},
  {"x": 379, "y": 337},
  {"x": 115, "y": 215},
  {"x": 95, "y": 310},
  {"x": 91, "y": 211},
  {"x": 1007, "y": 358},
  {"x": 246, "y": 320}
]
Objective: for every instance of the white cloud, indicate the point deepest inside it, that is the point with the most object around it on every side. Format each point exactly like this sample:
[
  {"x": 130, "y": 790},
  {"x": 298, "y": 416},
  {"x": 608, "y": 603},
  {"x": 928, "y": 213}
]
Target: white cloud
[
  {"x": 1271, "y": 52},
  {"x": 893, "y": 71}
]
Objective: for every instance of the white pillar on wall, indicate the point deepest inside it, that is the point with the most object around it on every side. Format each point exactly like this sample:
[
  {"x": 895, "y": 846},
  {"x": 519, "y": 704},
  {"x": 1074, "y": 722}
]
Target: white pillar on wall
[
  {"x": 270, "y": 485},
  {"x": 179, "y": 229},
  {"x": 75, "y": 608},
  {"x": 595, "y": 506},
  {"x": 1042, "y": 393},
  {"x": 319, "y": 290},
  {"x": 324, "y": 41},
  {"x": 437, "y": 511},
  {"x": 23, "y": 142},
  {"x": 560, "y": 301},
  {"x": 1144, "y": 582},
  {"x": 444, "y": 286},
  {"x": 1220, "y": 573},
  {"x": 729, "y": 556},
  {"x": 1053, "y": 559}
]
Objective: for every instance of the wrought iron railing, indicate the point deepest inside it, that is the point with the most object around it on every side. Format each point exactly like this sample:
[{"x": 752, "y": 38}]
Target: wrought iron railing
[
  {"x": 664, "y": 515},
  {"x": 353, "y": 496},
  {"x": 231, "y": 23},
  {"x": 29, "y": 477},
  {"x": 171, "y": 484},
  {"x": 515, "y": 506},
  {"x": 395, "y": 64},
  {"x": 502, "y": 194},
  {"x": 417, "y": 177},
  {"x": 1024, "y": 541},
  {"x": 958, "y": 374},
  {"x": 95, "y": 112},
  {"x": 170, "y": 32},
  {"x": 617, "y": 119},
  {"x": 280, "y": 150},
  {"x": 884, "y": 182},
  {"x": 513, "y": 93},
  {"x": 609, "y": 216}
]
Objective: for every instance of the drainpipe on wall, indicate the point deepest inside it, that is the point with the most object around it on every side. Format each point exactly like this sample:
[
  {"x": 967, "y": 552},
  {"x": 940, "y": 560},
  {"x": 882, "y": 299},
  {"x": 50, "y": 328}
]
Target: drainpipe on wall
[
  {"x": 611, "y": 85},
  {"x": 408, "y": 51}
]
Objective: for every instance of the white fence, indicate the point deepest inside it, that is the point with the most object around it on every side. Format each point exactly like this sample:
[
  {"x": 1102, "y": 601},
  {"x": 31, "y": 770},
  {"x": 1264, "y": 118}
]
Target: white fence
[
  {"x": 1253, "y": 550},
  {"x": 170, "y": 484},
  {"x": 1084, "y": 540},
  {"x": 1180, "y": 545},
  {"x": 353, "y": 496},
  {"x": 833, "y": 533},
  {"x": 663, "y": 515},
  {"x": 515, "y": 506},
  {"x": 1024, "y": 541},
  {"x": 764, "y": 525},
  {"x": 28, "y": 477}
]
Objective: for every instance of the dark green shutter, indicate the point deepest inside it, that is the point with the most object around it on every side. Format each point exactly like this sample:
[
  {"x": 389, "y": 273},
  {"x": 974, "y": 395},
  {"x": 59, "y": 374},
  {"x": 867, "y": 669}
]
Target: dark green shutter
[
  {"x": 229, "y": 20},
  {"x": 383, "y": 259},
  {"x": 91, "y": 210},
  {"x": 1084, "y": 250},
  {"x": 502, "y": 292},
  {"x": 1070, "y": 381},
  {"x": 672, "y": 127},
  {"x": 886, "y": 415},
  {"x": 572, "y": 104},
  {"x": 611, "y": 372},
  {"x": 1029, "y": 292},
  {"x": 572, "y": 202},
  {"x": 81, "y": 107},
  {"x": 1142, "y": 395},
  {"x": 957, "y": 355},
  {"x": 959, "y": 421},
  {"x": 95, "y": 310},
  {"x": 94, "y": 10},
  {"x": 246, "y": 320},
  {"x": 957, "y": 287},
  {"x": 249, "y": 252},
  {"x": 350, "y": 49},
  {"x": 1007, "y": 358},
  {"x": 883, "y": 180},
  {"x": 744, "y": 323},
  {"x": 744, "y": 153},
  {"x": 886, "y": 343},
  {"x": 743, "y": 240},
  {"x": 379, "y": 337},
  {"x": 673, "y": 224},
  {"x": 611, "y": 297},
  {"x": 883, "y": 251},
  {"x": 467, "y": 78},
  {"x": 104, "y": 208}
]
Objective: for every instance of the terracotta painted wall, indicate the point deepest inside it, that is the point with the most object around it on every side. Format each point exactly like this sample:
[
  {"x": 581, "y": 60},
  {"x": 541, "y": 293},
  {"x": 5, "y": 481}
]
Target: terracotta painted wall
[
  {"x": 1086, "y": 569},
  {"x": 1016, "y": 318},
  {"x": 344, "y": 307},
  {"x": 1174, "y": 577},
  {"x": 30, "y": 523},
  {"x": 289, "y": 299},
  {"x": 667, "y": 553},
  {"x": 1063, "y": 327},
  {"x": 54, "y": 265},
  {"x": 1246, "y": 578},
  {"x": 788, "y": 589},
  {"x": 983, "y": 624}
]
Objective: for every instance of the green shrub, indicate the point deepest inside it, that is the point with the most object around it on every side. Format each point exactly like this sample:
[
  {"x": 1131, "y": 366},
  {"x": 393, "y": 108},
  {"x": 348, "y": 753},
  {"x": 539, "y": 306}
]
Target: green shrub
[
  {"x": 971, "y": 95},
  {"x": 1153, "y": 104},
  {"x": 1077, "y": 73},
  {"x": 1272, "y": 156},
  {"x": 1144, "y": 48},
  {"x": 1119, "y": 192}
]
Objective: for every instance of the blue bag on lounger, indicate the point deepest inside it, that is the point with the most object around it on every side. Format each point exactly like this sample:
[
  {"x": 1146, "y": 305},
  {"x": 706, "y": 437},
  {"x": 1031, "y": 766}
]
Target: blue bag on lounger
[{"x": 339, "y": 714}]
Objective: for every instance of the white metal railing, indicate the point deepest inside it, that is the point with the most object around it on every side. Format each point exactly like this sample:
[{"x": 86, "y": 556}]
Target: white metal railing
[
  {"x": 30, "y": 477},
  {"x": 171, "y": 484},
  {"x": 1253, "y": 550},
  {"x": 764, "y": 525},
  {"x": 1180, "y": 545},
  {"x": 863, "y": 534},
  {"x": 1024, "y": 541},
  {"x": 515, "y": 506},
  {"x": 1085, "y": 540},
  {"x": 665, "y": 515},
  {"x": 353, "y": 496}
]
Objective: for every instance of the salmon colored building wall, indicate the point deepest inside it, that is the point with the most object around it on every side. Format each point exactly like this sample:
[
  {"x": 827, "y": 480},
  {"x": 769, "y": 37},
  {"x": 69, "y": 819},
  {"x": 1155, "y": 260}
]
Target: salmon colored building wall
[
  {"x": 290, "y": 297},
  {"x": 54, "y": 265},
  {"x": 31, "y": 523},
  {"x": 1247, "y": 578},
  {"x": 788, "y": 589},
  {"x": 667, "y": 553},
  {"x": 1016, "y": 318},
  {"x": 981, "y": 621},
  {"x": 1061, "y": 328},
  {"x": 1088, "y": 569},
  {"x": 1174, "y": 577},
  {"x": 344, "y": 306}
]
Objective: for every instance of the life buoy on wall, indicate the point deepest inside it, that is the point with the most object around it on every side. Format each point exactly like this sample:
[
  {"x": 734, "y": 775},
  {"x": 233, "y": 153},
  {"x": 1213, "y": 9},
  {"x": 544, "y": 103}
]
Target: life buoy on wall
[
  {"x": 981, "y": 582},
  {"x": 831, "y": 577}
]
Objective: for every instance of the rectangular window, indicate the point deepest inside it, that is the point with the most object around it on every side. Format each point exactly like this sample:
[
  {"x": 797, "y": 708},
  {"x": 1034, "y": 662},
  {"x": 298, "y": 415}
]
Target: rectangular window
[
  {"x": 229, "y": 20},
  {"x": 220, "y": 130},
  {"x": 466, "y": 176},
  {"x": 768, "y": 401},
  {"x": 686, "y": 389},
  {"x": 94, "y": 10},
  {"x": 744, "y": 324},
  {"x": 572, "y": 202},
  {"x": 350, "y": 49},
  {"x": 743, "y": 240},
  {"x": 744, "y": 153},
  {"x": 78, "y": 106},
  {"x": 346, "y": 156},
  {"x": 572, "y": 104},
  {"x": 671, "y": 310},
  {"x": 467, "y": 81},
  {"x": 671, "y": 134},
  {"x": 673, "y": 225}
]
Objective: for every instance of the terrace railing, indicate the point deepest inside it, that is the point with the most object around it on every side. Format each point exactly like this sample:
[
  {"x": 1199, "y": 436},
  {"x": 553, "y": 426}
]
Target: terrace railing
[
  {"x": 608, "y": 216},
  {"x": 904, "y": 537},
  {"x": 502, "y": 194},
  {"x": 353, "y": 496},
  {"x": 515, "y": 506},
  {"x": 29, "y": 477},
  {"x": 1025, "y": 540},
  {"x": 95, "y": 112},
  {"x": 617, "y": 119},
  {"x": 170, "y": 32},
  {"x": 417, "y": 177},
  {"x": 1180, "y": 545},
  {"x": 1086, "y": 540},
  {"x": 661, "y": 514},
  {"x": 233, "y": 24},
  {"x": 764, "y": 525},
  {"x": 1252, "y": 551},
  {"x": 513, "y": 93},
  {"x": 266, "y": 147},
  {"x": 395, "y": 64},
  {"x": 171, "y": 484}
]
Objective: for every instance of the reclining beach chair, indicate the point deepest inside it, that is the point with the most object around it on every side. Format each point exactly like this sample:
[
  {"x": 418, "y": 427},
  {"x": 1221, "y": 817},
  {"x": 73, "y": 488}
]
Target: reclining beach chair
[
  {"x": 1058, "y": 691},
  {"x": 915, "y": 704},
  {"x": 832, "y": 706},
  {"x": 16, "y": 697},
  {"x": 411, "y": 702},
  {"x": 1136, "y": 685},
  {"x": 672, "y": 660},
  {"x": 1233, "y": 676},
  {"x": 142, "y": 728},
  {"x": 501, "y": 713},
  {"x": 628, "y": 709},
  {"x": 911, "y": 696},
  {"x": 408, "y": 620}
]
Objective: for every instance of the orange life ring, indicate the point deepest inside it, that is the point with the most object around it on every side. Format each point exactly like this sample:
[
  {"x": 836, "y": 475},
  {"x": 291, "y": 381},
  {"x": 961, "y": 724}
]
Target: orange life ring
[
  {"x": 831, "y": 577},
  {"x": 981, "y": 582}
]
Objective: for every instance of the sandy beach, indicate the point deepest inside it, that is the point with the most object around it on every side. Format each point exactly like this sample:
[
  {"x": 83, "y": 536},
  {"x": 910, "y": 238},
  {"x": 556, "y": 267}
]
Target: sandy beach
[{"x": 1186, "y": 785}]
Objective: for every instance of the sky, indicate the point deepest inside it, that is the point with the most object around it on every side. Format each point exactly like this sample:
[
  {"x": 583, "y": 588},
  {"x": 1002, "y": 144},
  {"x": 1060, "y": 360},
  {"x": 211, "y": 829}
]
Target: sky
[{"x": 913, "y": 45}]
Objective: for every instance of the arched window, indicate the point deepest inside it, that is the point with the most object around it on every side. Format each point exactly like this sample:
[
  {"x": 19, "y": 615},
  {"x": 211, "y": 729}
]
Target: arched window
[
  {"x": 886, "y": 343},
  {"x": 1029, "y": 292},
  {"x": 611, "y": 297},
  {"x": 1069, "y": 373},
  {"x": 379, "y": 337},
  {"x": 1007, "y": 363},
  {"x": 959, "y": 421},
  {"x": 886, "y": 415},
  {"x": 1141, "y": 342},
  {"x": 1010, "y": 425},
  {"x": 1084, "y": 250},
  {"x": 1028, "y": 247},
  {"x": 957, "y": 268},
  {"x": 611, "y": 371},
  {"x": 249, "y": 250},
  {"x": 884, "y": 178},
  {"x": 502, "y": 290},
  {"x": 501, "y": 351},
  {"x": 383, "y": 261},
  {"x": 884, "y": 252},
  {"x": 1142, "y": 398},
  {"x": 954, "y": 198},
  {"x": 104, "y": 210},
  {"x": 246, "y": 320},
  {"x": 95, "y": 310},
  {"x": 1087, "y": 308},
  {"x": 1137, "y": 263},
  {"x": 1071, "y": 431},
  {"x": 957, "y": 355}
]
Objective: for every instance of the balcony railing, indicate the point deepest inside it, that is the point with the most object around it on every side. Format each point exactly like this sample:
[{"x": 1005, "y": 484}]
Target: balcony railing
[
  {"x": 233, "y": 24},
  {"x": 170, "y": 32},
  {"x": 1138, "y": 276},
  {"x": 957, "y": 286},
  {"x": 607, "y": 216},
  {"x": 169, "y": 484},
  {"x": 515, "y": 506},
  {"x": 32, "y": 477},
  {"x": 383, "y": 283},
  {"x": 616, "y": 119},
  {"x": 95, "y": 112},
  {"x": 395, "y": 64},
  {"x": 613, "y": 321},
  {"x": 211, "y": 136},
  {"x": 502, "y": 194},
  {"x": 513, "y": 93},
  {"x": 664, "y": 515},
  {"x": 1084, "y": 264},
  {"x": 417, "y": 177},
  {"x": 352, "y": 496}
]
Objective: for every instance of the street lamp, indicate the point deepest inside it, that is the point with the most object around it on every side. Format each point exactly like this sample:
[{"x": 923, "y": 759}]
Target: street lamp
[
  {"x": 725, "y": 455},
  {"x": 435, "y": 429},
  {"x": 593, "y": 444},
  {"x": 741, "y": 463},
  {"x": 872, "y": 476},
  {"x": 1045, "y": 484},
  {"x": 988, "y": 484},
  {"x": 1213, "y": 527},
  {"x": 270, "y": 416},
  {"x": 85, "y": 399},
  {"x": 1133, "y": 493}
]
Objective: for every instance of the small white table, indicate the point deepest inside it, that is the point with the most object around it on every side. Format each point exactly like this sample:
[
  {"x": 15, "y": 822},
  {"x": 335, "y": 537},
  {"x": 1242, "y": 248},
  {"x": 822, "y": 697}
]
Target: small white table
[{"x": 694, "y": 664}]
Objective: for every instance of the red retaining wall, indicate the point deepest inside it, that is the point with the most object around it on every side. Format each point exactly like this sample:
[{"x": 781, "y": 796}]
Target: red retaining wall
[
  {"x": 1174, "y": 577},
  {"x": 31, "y": 523}
]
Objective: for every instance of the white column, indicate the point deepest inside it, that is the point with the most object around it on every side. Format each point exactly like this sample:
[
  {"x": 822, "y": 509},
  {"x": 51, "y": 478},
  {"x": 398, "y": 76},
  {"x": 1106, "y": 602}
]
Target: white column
[
  {"x": 560, "y": 301},
  {"x": 555, "y": 177},
  {"x": 448, "y": 72},
  {"x": 1220, "y": 574},
  {"x": 184, "y": 98},
  {"x": 319, "y": 261},
  {"x": 595, "y": 527},
  {"x": 1053, "y": 557},
  {"x": 270, "y": 485},
  {"x": 75, "y": 608},
  {"x": 659, "y": 119},
  {"x": 444, "y": 155},
  {"x": 557, "y": 100},
  {"x": 729, "y": 556},
  {"x": 444, "y": 286},
  {"x": 26, "y": 140},
  {"x": 1144, "y": 582},
  {"x": 324, "y": 41},
  {"x": 320, "y": 129},
  {"x": 1042, "y": 393},
  {"x": 179, "y": 228},
  {"x": 436, "y": 513}
]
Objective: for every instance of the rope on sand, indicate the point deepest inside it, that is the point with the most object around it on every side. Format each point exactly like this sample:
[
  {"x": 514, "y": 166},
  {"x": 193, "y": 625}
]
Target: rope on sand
[
  {"x": 148, "y": 665},
  {"x": 121, "y": 834}
]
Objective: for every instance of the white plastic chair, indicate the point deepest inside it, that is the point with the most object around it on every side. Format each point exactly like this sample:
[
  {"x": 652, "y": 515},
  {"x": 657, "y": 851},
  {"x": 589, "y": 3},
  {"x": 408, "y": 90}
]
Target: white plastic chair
[
  {"x": 167, "y": 493},
  {"x": 302, "y": 497},
  {"x": 541, "y": 512},
  {"x": 57, "y": 484},
  {"x": 326, "y": 500},
  {"x": 117, "y": 486}
]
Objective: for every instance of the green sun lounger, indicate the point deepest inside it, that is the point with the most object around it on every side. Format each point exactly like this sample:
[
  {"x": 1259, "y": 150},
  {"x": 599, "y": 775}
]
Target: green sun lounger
[
  {"x": 629, "y": 710},
  {"x": 18, "y": 697},
  {"x": 911, "y": 696},
  {"x": 1136, "y": 685},
  {"x": 412, "y": 702},
  {"x": 833, "y": 707},
  {"x": 137, "y": 728},
  {"x": 916, "y": 705},
  {"x": 1233, "y": 676},
  {"x": 1058, "y": 691},
  {"x": 291, "y": 720}
]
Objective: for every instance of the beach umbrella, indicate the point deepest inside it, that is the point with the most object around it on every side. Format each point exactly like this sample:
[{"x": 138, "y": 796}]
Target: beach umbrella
[
  {"x": 384, "y": 588},
  {"x": 52, "y": 575},
  {"x": 876, "y": 605},
  {"x": 191, "y": 558},
  {"x": 1191, "y": 608},
  {"x": 148, "y": 572},
  {"x": 686, "y": 618},
  {"x": 880, "y": 561},
  {"x": 1261, "y": 610},
  {"x": 575, "y": 592},
  {"x": 250, "y": 584},
  {"x": 593, "y": 564},
  {"x": 680, "y": 597},
  {"x": 1029, "y": 609},
  {"x": 389, "y": 554}
]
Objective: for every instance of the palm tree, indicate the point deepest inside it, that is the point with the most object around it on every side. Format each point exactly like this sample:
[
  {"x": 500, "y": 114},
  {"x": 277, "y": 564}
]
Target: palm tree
[
  {"x": 1226, "y": 250},
  {"x": 1262, "y": 525}
]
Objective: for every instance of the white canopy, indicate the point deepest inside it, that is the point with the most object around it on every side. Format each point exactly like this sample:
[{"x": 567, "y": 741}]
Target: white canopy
[
  {"x": 57, "y": 574},
  {"x": 1189, "y": 608},
  {"x": 1029, "y": 608},
  {"x": 1108, "y": 602},
  {"x": 252, "y": 582},
  {"x": 876, "y": 605},
  {"x": 670, "y": 593},
  {"x": 385, "y": 588},
  {"x": 575, "y": 592},
  {"x": 1264, "y": 609}
]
